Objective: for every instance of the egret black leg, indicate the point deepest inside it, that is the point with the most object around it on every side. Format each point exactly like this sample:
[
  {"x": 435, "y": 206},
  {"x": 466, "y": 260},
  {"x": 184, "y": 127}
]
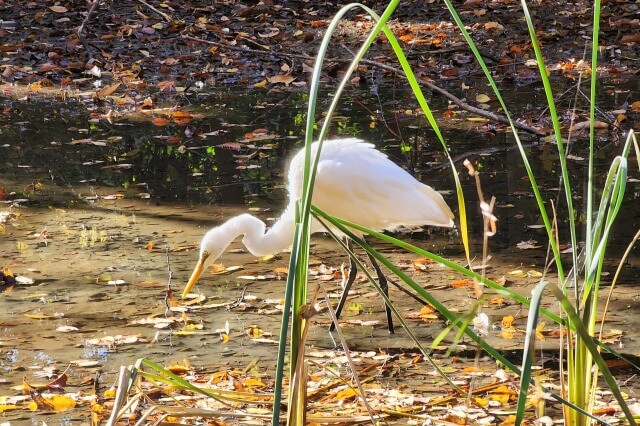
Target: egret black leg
[
  {"x": 384, "y": 285},
  {"x": 353, "y": 271}
]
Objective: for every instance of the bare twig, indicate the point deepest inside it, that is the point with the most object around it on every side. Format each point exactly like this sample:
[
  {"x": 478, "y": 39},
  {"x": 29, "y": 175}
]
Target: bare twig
[
  {"x": 86, "y": 18},
  {"x": 80, "y": 30},
  {"x": 164, "y": 15},
  {"x": 167, "y": 301},
  {"x": 477, "y": 111}
]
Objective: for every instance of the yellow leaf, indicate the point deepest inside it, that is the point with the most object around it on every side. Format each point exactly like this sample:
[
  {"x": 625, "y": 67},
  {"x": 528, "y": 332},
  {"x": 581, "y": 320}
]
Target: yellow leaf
[
  {"x": 251, "y": 382},
  {"x": 482, "y": 98},
  {"x": 263, "y": 83},
  {"x": 97, "y": 409},
  {"x": 481, "y": 402},
  {"x": 348, "y": 393},
  {"x": 184, "y": 333},
  {"x": 534, "y": 274},
  {"x": 61, "y": 402},
  {"x": 539, "y": 329},
  {"x": 108, "y": 90},
  {"x": 178, "y": 369},
  {"x": 508, "y": 333},
  {"x": 7, "y": 407},
  {"x": 110, "y": 393},
  {"x": 254, "y": 332},
  {"x": 507, "y": 321},
  {"x": 509, "y": 421},
  {"x": 218, "y": 269},
  {"x": 224, "y": 337},
  {"x": 427, "y": 310}
]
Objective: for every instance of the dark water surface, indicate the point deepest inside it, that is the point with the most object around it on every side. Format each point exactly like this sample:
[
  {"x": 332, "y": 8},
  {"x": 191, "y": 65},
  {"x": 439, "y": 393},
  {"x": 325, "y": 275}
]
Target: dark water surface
[{"x": 97, "y": 213}]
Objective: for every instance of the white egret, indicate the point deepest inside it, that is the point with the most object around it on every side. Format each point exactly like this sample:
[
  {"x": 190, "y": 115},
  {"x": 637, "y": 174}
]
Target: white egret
[{"x": 354, "y": 181}]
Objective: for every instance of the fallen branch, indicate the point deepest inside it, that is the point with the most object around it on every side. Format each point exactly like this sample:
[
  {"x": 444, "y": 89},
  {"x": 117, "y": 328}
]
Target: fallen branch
[
  {"x": 159, "y": 12},
  {"x": 80, "y": 30},
  {"x": 463, "y": 105}
]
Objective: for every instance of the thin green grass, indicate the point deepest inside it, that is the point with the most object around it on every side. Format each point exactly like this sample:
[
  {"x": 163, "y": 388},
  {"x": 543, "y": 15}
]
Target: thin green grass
[{"x": 585, "y": 364}]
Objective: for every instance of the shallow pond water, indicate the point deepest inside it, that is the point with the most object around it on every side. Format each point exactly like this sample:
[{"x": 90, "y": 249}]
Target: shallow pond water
[{"x": 105, "y": 216}]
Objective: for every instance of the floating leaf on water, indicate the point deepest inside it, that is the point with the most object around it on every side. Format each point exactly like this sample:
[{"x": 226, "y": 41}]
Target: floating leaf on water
[
  {"x": 462, "y": 283},
  {"x": 61, "y": 402},
  {"x": 86, "y": 363},
  {"x": 363, "y": 323},
  {"x": 518, "y": 273},
  {"x": 108, "y": 90},
  {"x": 482, "y": 98},
  {"x": 534, "y": 274},
  {"x": 113, "y": 197},
  {"x": 184, "y": 333},
  {"x": 217, "y": 269},
  {"x": 254, "y": 332},
  {"x": 39, "y": 316},
  {"x": 526, "y": 245},
  {"x": 507, "y": 321},
  {"x": 66, "y": 329},
  {"x": 508, "y": 334},
  {"x": 281, "y": 78},
  {"x": 160, "y": 121},
  {"x": 21, "y": 279}
]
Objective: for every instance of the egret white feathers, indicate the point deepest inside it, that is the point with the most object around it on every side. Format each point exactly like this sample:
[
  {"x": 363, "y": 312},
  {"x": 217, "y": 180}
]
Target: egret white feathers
[{"x": 355, "y": 182}]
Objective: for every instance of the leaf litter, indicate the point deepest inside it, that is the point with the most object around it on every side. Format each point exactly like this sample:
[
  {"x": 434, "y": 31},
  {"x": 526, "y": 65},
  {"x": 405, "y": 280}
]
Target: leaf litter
[{"x": 121, "y": 90}]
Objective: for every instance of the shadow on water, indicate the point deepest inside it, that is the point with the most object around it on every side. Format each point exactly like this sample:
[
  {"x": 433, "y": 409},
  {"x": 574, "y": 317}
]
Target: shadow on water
[{"x": 98, "y": 212}]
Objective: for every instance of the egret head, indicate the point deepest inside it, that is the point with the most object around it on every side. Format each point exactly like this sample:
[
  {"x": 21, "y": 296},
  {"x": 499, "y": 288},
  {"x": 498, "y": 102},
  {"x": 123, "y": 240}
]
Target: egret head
[{"x": 211, "y": 248}]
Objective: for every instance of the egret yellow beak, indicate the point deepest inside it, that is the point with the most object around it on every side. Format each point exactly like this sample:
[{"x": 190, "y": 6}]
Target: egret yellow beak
[{"x": 197, "y": 271}]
